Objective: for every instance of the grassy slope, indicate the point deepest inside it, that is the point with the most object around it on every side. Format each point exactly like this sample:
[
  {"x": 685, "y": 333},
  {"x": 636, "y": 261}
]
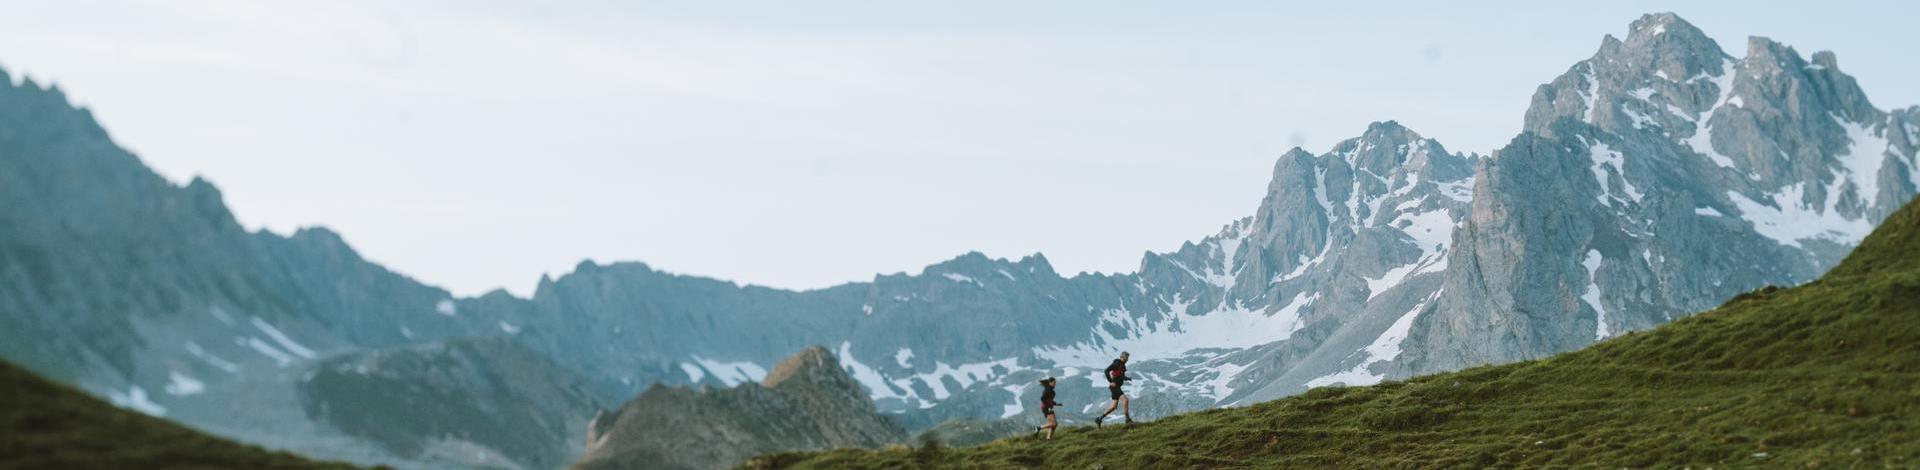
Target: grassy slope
[
  {"x": 48, "y": 425},
  {"x": 1822, "y": 375}
]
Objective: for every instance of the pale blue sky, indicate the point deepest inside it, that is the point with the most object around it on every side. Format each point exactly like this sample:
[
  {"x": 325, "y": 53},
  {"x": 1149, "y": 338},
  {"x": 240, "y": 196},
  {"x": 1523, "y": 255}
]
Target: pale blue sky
[{"x": 477, "y": 145}]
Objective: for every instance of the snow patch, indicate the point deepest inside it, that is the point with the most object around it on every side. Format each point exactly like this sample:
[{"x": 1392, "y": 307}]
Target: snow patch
[
  {"x": 1592, "y": 94},
  {"x": 216, "y": 361},
  {"x": 1305, "y": 264},
  {"x": 964, "y": 375},
  {"x": 1014, "y": 408},
  {"x": 902, "y": 356},
  {"x": 732, "y": 373},
  {"x": 1708, "y": 211},
  {"x": 445, "y": 307},
  {"x": 1788, "y": 220},
  {"x": 1393, "y": 277},
  {"x": 1223, "y": 374},
  {"x": 1429, "y": 231},
  {"x": 282, "y": 339},
  {"x": 136, "y": 399},
  {"x": 1177, "y": 332},
  {"x": 1640, "y": 121},
  {"x": 879, "y": 386},
  {"x": 508, "y": 328},
  {"x": 1702, "y": 139},
  {"x": 1320, "y": 192},
  {"x": 876, "y": 384},
  {"x": 1866, "y": 152},
  {"x": 221, "y": 315},
  {"x": 1227, "y": 243},
  {"x": 1605, "y": 156},
  {"x": 1461, "y": 190},
  {"x": 694, "y": 374},
  {"x": 1384, "y": 348},
  {"x": 181, "y": 385},
  {"x": 279, "y": 358},
  {"x": 1592, "y": 295},
  {"x": 1432, "y": 232},
  {"x": 962, "y": 278}
]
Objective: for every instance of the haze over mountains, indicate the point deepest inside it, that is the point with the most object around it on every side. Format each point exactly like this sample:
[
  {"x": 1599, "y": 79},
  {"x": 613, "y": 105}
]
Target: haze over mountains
[{"x": 1656, "y": 178}]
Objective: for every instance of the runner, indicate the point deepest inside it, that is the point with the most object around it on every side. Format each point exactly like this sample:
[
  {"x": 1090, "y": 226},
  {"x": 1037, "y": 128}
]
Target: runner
[
  {"x": 1046, "y": 407},
  {"x": 1116, "y": 377}
]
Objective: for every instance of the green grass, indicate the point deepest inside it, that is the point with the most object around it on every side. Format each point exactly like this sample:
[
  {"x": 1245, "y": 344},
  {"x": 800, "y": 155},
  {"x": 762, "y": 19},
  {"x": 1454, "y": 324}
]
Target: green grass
[
  {"x": 1825, "y": 375},
  {"x": 49, "y": 425}
]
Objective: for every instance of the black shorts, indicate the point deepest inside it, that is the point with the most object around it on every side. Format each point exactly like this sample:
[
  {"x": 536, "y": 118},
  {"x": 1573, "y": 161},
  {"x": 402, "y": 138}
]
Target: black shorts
[
  {"x": 1046, "y": 411},
  {"x": 1115, "y": 390}
]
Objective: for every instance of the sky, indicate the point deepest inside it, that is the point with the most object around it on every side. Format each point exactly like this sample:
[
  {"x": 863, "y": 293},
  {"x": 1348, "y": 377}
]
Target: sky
[{"x": 477, "y": 145}]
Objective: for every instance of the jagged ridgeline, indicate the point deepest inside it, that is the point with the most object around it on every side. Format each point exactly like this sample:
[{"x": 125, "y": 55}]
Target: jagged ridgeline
[{"x": 1822, "y": 375}]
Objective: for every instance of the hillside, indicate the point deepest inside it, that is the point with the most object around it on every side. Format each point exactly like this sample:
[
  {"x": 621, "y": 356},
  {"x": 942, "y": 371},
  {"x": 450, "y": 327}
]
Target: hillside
[
  {"x": 48, "y": 425},
  {"x": 1826, "y": 374}
]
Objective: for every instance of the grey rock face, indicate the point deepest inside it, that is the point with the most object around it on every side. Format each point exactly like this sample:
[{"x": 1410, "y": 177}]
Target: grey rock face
[{"x": 1658, "y": 178}]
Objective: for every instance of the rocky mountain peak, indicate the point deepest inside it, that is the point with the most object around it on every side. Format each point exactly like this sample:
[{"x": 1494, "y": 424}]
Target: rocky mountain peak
[
  {"x": 1036, "y": 263},
  {"x": 815, "y": 361},
  {"x": 1826, "y": 59},
  {"x": 1663, "y": 76},
  {"x": 320, "y": 236},
  {"x": 1667, "y": 35},
  {"x": 1386, "y": 146},
  {"x": 972, "y": 262},
  {"x": 1762, "y": 50},
  {"x": 1778, "y": 69},
  {"x": 1778, "y": 163}
]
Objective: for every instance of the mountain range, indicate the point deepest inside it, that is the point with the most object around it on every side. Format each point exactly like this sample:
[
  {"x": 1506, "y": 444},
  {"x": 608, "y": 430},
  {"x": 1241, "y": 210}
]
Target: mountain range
[
  {"x": 1658, "y": 177},
  {"x": 1821, "y": 375}
]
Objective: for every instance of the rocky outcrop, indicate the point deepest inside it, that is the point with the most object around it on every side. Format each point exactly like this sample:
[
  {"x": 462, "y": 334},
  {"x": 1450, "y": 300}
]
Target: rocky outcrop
[{"x": 805, "y": 403}]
